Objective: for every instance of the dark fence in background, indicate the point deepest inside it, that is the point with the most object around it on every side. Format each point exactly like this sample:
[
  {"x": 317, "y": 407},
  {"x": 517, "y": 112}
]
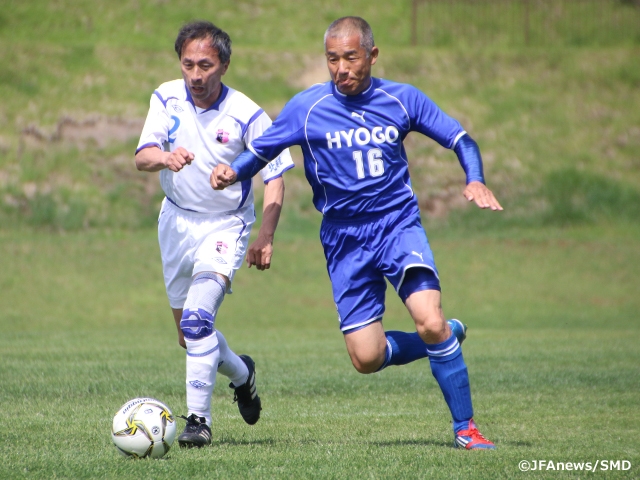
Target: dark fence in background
[{"x": 525, "y": 22}]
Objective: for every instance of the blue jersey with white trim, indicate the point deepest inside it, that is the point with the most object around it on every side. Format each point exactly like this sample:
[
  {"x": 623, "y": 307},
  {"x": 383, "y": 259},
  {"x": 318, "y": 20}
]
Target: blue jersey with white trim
[{"x": 354, "y": 157}]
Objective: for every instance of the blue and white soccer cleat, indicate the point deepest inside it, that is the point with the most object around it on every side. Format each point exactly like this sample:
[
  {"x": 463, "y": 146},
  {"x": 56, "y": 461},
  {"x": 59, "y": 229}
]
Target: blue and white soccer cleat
[
  {"x": 472, "y": 439},
  {"x": 458, "y": 328}
]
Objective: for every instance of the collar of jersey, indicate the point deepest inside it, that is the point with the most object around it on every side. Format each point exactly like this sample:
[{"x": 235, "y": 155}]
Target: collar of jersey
[
  {"x": 341, "y": 97},
  {"x": 215, "y": 105}
]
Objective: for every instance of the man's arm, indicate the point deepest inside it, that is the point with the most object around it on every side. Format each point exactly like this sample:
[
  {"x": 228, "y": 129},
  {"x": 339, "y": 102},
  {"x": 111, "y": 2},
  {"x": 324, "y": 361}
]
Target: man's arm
[
  {"x": 244, "y": 167},
  {"x": 261, "y": 250},
  {"x": 468, "y": 154},
  {"x": 152, "y": 159}
]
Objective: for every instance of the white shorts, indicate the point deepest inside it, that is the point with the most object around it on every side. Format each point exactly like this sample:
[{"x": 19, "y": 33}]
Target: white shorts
[{"x": 191, "y": 243}]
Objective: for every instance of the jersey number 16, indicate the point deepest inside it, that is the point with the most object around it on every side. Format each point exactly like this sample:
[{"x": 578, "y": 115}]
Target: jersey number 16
[{"x": 374, "y": 158}]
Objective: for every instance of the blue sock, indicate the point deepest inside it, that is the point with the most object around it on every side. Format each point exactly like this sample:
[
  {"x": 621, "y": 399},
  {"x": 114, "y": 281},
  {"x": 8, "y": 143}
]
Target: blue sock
[
  {"x": 450, "y": 371},
  {"x": 403, "y": 348}
]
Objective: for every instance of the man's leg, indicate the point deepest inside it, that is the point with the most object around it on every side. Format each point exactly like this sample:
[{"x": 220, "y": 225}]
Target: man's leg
[
  {"x": 198, "y": 328},
  {"x": 404, "y": 347},
  {"x": 372, "y": 349},
  {"x": 177, "y": 316},
  {"x": 447, "y": 365},
  {"x": 359, "y": 287},
  {"x": 241, "y": 370},
  {"x": 367, "y": 347},
  {"x": 231, "y": 365}
]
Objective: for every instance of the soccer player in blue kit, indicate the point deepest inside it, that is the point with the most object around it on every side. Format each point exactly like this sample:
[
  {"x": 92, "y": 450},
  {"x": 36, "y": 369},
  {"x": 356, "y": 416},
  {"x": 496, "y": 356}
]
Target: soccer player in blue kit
[{"x": 351, "y": 131}]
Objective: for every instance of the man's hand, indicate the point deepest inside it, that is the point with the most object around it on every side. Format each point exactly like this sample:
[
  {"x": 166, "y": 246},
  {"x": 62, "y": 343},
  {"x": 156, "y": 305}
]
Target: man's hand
[
  {"x": 181, "y": 341},
  {"x": 178, "y": 159},
  {"x": 260, "y": 252},
  {"x": 478, "y": 192},
  {"x": 153, "y": 159},
  {"x": 222, "y": 176}
]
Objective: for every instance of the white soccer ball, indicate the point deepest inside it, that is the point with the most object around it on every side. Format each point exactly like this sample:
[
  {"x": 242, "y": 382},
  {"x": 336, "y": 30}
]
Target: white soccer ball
[{"x": 143, "y": 427}]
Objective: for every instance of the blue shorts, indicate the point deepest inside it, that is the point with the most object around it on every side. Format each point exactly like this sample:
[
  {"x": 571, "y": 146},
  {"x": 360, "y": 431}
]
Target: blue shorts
[{"x": 361, "y": 255}]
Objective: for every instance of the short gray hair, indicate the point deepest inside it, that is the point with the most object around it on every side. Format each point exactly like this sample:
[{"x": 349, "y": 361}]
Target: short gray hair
[{"x": 347, "y": 26}]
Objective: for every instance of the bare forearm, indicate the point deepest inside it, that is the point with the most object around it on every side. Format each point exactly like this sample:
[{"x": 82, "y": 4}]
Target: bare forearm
[
  {"x": 273, "y": 199},
  {"x": 151, "y": 159}
]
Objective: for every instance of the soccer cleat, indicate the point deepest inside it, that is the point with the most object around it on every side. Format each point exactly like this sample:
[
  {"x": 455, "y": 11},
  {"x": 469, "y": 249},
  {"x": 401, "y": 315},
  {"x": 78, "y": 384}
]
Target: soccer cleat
[
  {"x": 472, "y": 439},
  {"x": 196, "y": 433},
  {"x": 246, "y": 395},
  {"x": 458, "y": 328}
]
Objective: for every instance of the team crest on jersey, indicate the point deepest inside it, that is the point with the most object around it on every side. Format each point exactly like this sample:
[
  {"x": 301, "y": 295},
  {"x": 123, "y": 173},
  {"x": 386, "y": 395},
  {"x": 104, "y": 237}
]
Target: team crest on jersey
[
  {"x": 222, "y": 136},
  {"x": 221, "y": 247}
]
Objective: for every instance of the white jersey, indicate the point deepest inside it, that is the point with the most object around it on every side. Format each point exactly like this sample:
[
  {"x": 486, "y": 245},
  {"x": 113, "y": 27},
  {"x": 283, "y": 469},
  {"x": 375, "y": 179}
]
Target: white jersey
[{"x": 215, "y": 135}]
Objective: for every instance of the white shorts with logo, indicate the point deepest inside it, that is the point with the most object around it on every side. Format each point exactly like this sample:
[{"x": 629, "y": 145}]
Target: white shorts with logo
[{"x": 192, "y": 242}]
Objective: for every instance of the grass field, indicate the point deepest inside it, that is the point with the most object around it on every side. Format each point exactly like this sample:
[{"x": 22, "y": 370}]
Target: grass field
[
  {"x": 552, "y": 354},
  {"x": 76, "y": 78},
  {"x": 549, "y": 287}
]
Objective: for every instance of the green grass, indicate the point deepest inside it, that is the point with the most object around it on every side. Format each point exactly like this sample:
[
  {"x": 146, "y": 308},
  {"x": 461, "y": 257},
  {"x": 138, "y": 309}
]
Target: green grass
[
  {"x": 548, "y": 287},
  {"x": 538, "y": 113},
  {"x": 552, "y": 354},
  {"x": 538, "y": 23},
  {"x": 539, "y": 117}
]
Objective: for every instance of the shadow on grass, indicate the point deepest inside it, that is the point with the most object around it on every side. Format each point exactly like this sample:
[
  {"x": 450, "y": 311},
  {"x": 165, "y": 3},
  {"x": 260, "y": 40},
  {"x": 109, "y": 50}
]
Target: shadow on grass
[
  {"x": 439, "y": 443},
  {"x": 519, "y": 443},
  {"x": 236, "y": 442},
  {"x": 420, "y": 442},
  {"x": 274, "y": 442}
]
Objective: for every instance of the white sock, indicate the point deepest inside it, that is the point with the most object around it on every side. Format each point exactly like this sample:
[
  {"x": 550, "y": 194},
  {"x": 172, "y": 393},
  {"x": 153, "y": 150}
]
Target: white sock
[
  {"x": 201, "y": 375},
  {"x": 203, "y": 350},
  {"x": 231, "y": 365}
]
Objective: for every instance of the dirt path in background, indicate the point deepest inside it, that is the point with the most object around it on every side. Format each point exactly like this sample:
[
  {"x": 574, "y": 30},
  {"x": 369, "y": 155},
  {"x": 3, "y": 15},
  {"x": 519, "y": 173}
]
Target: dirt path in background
[
  {"x": 94, "y": 131},
  {"x": 440, "y": 195}
]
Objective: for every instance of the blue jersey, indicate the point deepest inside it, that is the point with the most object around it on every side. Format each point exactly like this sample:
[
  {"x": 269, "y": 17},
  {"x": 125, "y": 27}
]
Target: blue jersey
[{"x": 354, "y": 158}]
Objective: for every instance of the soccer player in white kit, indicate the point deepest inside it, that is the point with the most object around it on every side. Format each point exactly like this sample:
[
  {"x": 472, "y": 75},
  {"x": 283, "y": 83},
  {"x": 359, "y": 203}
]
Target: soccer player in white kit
[{"x": 194, "y": 124}]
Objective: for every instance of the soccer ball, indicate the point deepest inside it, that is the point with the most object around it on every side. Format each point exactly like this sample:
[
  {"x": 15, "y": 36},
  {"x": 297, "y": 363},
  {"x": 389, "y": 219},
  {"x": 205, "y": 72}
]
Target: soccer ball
[{"x": 143, "y": 427}]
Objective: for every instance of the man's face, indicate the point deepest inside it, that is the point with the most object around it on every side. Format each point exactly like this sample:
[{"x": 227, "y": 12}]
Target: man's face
[
  {"x": 202, "y": 71},
  {"x": 349, "y": 66}
]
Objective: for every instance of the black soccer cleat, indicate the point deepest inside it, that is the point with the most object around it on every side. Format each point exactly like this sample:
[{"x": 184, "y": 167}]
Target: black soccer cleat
[
  {"x": 196, "y": 433},
  {"x": 246, "y": 395}
]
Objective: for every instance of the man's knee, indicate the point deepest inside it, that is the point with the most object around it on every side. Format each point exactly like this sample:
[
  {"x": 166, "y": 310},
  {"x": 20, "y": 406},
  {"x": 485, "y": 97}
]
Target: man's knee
[
  {"x": 432, "y": 326},
  {"x": 426, "y": 311},
  {"x": 203, "y": 300},
  {"x": 367, "y": 348},
  {"x": 432, "y": 323},
  {"x": 200, "y": 336},
  {"x": 367, "y": 364},
  {"x": 196, "y": 324}
]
